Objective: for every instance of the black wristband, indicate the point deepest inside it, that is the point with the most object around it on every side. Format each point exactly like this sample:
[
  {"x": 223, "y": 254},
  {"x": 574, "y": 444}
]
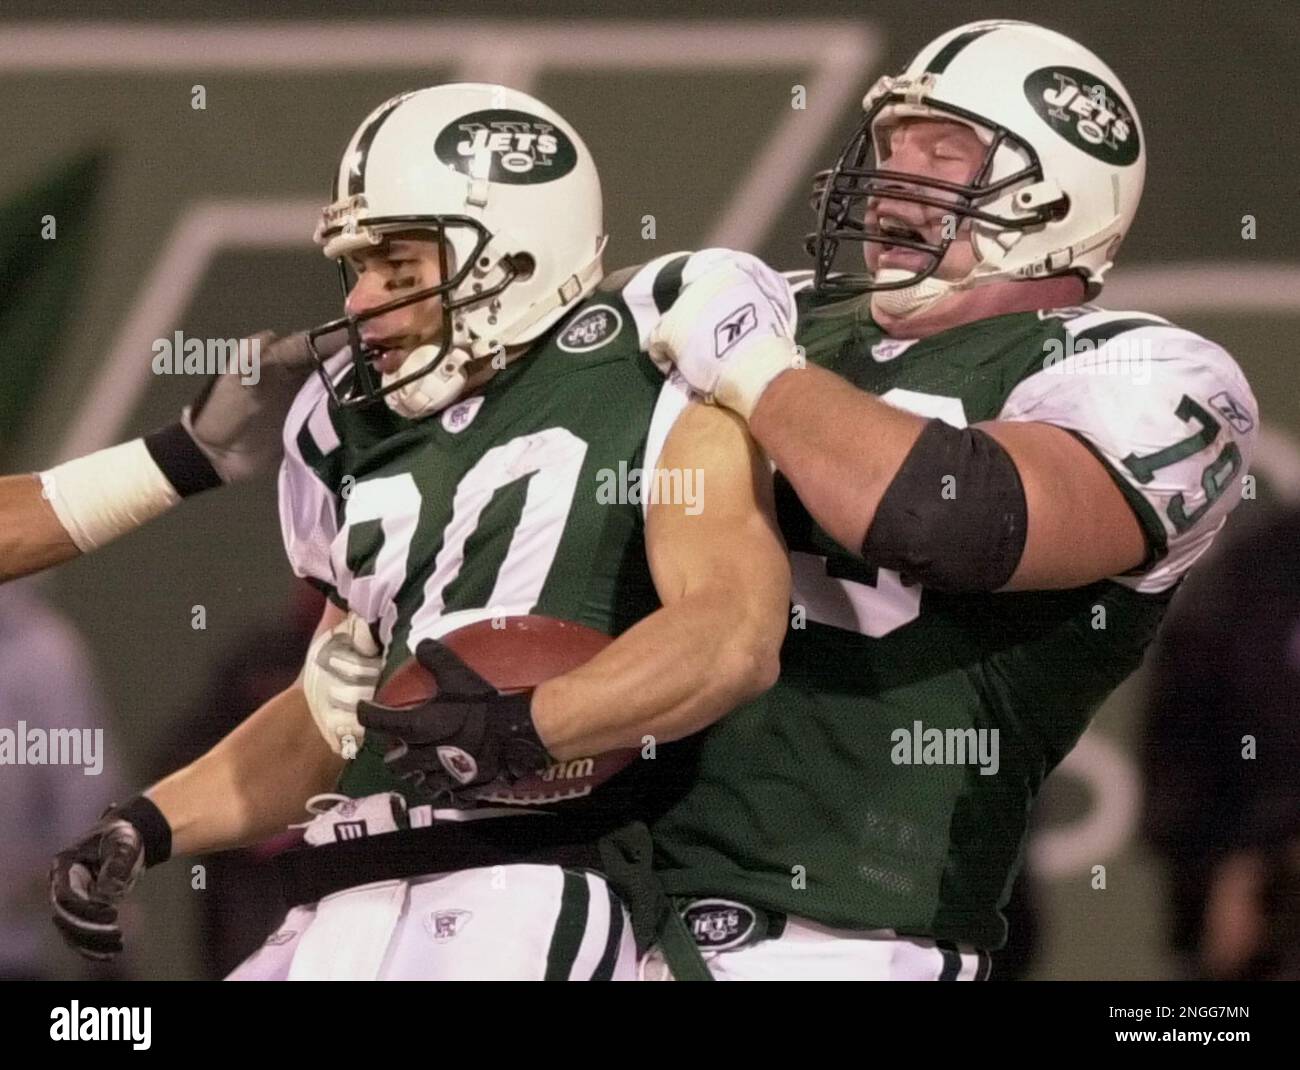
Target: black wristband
[
  {"x": 155, "y": 830},
  {"x": 179, "y": 458}
]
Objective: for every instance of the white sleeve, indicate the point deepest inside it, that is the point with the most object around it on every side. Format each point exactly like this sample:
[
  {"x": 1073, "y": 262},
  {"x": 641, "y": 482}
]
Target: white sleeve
[
  {"x": 651, "y": 291},
  {"x": 308, "y": 507},
  {"x": 1174, "y": 421}
]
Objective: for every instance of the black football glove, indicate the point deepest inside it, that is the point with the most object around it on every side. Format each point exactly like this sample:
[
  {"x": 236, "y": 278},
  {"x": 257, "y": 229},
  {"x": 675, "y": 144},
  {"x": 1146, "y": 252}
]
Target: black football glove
[
  {"x": 469, "y": 735},
  {"x": 91, "y": 878}
]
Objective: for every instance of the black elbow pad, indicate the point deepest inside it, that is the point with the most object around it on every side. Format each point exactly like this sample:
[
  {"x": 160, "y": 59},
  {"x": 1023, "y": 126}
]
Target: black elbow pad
[{"x": 954, "y": 518}]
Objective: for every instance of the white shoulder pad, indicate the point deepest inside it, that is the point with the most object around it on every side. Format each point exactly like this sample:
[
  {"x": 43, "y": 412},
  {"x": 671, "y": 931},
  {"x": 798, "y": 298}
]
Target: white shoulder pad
[
  {"x": 1168, "y": 412},
  {"x": 307, "y": 506},
  {"x": 799, "y": 281}
]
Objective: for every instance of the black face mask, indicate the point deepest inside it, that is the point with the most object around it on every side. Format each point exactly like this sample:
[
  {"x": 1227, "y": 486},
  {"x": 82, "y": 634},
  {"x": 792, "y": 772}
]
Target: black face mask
[
  {"x": 840, "y": 198},
  {"x": 366, "y": 387}
]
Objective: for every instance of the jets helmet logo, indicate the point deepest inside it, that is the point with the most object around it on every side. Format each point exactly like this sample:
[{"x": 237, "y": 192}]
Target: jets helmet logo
[
  {"x": 1086, "y": 112},
  {"x": 503, "y": 145}
]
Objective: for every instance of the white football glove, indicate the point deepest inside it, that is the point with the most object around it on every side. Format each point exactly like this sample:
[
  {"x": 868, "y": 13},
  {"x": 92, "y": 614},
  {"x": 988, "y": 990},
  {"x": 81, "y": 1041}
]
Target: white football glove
[
  {"x": 730, "y": 332},
  {"x": 342, "y": 669}
]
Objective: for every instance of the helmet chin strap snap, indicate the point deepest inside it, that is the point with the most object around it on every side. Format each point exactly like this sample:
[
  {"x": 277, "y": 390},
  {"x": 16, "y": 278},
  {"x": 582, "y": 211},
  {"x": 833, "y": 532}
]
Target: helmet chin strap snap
[
  {"x": 910, "y": 300},
  {"x": 434, "y": 390}
]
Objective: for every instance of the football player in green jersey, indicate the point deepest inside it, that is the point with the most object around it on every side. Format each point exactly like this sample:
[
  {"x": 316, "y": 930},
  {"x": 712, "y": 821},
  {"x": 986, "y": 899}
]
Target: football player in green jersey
[
  {"x": 990, "y": 491},
  {"x": 454, "y": 465}
]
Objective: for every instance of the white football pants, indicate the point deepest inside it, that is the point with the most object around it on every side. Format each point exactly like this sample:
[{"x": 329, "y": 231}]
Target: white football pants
[
  {"x": 811, "y": 952},
  {"x": 517, "y": 922}
]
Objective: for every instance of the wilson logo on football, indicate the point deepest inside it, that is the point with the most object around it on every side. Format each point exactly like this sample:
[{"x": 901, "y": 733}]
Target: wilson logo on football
[
  {"x": 578, "y": 768},
  {"x": 503, "y": 145},
  {"x": 1086, "y": 112}
]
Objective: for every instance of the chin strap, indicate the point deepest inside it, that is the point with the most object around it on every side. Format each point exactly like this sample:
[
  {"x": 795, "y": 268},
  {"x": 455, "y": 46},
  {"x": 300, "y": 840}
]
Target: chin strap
[
  {"x": 445, "y": 382},
  {"x": 434, "y": 390},
  {"x": 574, "y": 288},
  {"x": 911, "y": 300}
]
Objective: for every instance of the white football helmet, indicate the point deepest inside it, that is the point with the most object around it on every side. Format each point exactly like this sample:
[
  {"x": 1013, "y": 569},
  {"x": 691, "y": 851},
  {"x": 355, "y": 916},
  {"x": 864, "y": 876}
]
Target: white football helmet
[
  {"x": 1059, "y": 185},
  {"x": 512, "y": 193}
]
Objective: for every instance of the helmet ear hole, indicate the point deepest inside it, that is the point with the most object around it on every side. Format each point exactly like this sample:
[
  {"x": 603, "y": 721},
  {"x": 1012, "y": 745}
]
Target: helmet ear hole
[{"x": 523, "y": 265}]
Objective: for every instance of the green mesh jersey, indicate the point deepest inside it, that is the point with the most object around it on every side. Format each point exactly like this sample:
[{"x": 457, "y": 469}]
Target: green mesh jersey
[
  {"x": 517, "y": 500},
  {"x": 854, "y": 793}
]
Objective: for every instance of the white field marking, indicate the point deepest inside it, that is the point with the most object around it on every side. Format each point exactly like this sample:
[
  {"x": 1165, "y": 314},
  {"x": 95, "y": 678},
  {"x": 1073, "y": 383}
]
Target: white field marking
[
  {"x": 288, "y": 46},
  {"x": 784, "y": 161},
  {"x": 1115, "y": 791},
  {"x": 205, "y": 229},
  {"x": 839, "y": 52},
  {"x": 1206, "y": 286}
]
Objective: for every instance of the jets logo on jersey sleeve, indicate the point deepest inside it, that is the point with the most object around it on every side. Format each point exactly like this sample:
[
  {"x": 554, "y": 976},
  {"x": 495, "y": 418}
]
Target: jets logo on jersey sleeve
[{"x": 590, "y": 329}]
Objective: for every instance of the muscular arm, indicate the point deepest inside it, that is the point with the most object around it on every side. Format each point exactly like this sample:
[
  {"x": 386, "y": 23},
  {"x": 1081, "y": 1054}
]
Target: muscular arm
[
  {"x": 255, "y": 781},
  {"x": 840, "y": 448},
  {"x": 31, "y": 537},
  {"x": 724, "y": 581},
  {"x": 1081, "y": 529}
]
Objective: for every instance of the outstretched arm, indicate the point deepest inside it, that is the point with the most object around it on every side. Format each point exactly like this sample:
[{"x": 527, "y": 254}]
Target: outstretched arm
[
  {"x": 31, "y": 537},
  {"x": 256, "y": 780},
  {"x": 231, "y": 432},
  {"x": 249, "y": 786}
]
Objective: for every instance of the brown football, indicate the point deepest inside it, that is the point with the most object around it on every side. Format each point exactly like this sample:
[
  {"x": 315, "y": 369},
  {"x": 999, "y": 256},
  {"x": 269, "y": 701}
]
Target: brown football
[{"x": 516, "y": 654}]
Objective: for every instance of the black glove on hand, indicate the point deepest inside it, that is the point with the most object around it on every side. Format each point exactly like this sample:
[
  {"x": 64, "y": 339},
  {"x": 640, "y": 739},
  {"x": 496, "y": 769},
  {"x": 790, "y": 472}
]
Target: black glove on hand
[
  {"x": 90, "y": 878},
  {"x": 468, "y": 735}
]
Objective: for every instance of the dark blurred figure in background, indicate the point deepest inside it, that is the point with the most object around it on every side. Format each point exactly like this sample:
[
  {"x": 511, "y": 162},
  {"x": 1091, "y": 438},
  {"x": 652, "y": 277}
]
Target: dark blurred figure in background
[
  {"x": 1015, "y": 960},
  {"x": 46, "y": 684},
  {"x": 241, "y": 902},
  {"x": 1227, "y": 666}
]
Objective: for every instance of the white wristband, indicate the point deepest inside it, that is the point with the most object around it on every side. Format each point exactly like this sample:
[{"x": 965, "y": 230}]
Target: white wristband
[
  {"x": 742, "y": 382},
  {"x": 108, "y": 493}
]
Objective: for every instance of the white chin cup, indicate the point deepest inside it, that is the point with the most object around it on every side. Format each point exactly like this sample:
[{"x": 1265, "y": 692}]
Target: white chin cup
[
  {"x": 909, "y": 300},
  {"x": 434, "y": 390}
]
